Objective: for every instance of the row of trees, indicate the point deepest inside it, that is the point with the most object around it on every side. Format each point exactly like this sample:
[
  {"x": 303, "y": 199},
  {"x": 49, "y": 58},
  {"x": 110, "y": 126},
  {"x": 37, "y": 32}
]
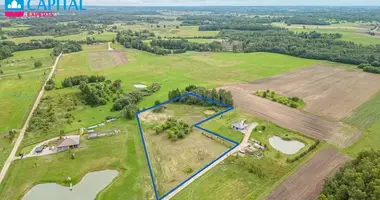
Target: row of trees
[
  {"x": 311, "y": 45},
  {"x": 244, "y": 27},
  {"x": 221, "y": 95},
  {"x": 7, "y": 47},
  {"x": 67, "y": 47},
  {"x": 76, "y": 80},
  {"x": 182, "y": 45}
]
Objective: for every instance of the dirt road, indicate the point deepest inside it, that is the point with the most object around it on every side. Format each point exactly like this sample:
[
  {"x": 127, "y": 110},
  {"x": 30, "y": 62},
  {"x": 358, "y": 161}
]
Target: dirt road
[
  {"x": 308, "y": 124},
  {"x": 22, "y": 132},
  {"x": 307, "y": 182}
]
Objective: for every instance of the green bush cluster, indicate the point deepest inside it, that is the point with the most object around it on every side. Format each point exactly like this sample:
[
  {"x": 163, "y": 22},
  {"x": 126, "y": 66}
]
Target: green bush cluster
[
  {"x": 134, "y": 97},
  {"x": 176, "y": 129},
  {"x": 374, "y": 67},
  {"x": 293, "y": 102},
  {"x": 312, "y": 147},
  {"x": 50, "y": 85},
  {"x": 75, "y": 80},
  {"x": 221, "y": 95},
  {"x": 98, "y": 93}
]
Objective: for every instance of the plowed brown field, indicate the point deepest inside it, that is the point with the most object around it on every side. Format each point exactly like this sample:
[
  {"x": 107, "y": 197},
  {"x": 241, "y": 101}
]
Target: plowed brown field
[
  {"x": 327, "y": 91},
  {"x": 311, "y": 125},
  {"x": 104, "y": 59},
  {"x": 307, "y": 182}
]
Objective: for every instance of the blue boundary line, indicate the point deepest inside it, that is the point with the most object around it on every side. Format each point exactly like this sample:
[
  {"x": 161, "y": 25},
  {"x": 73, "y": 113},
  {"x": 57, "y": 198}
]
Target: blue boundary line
[{"x": 197, "y": 125}]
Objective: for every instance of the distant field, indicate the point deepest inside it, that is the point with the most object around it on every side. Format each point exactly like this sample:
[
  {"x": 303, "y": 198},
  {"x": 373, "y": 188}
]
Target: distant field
[
  {"x": 15, "y": 28},
  {"x": 82, "y": 36},
  {"x": 27, "y": 39},
  {"x": 171, "y": 31},
  {"x": 203, "y": 41},
  {"x": 350, "y": 31},
  {"x": 23, "y": 61}
]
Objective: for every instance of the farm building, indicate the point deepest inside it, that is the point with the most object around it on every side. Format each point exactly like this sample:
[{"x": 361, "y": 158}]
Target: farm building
[
  {"x": 69, "y": 143},
  {"x": 239, "y": 126}
]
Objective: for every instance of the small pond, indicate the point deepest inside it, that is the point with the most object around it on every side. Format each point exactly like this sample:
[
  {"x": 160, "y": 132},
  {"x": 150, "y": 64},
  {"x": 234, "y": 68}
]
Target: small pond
[
  {"x": 286, "y": 147},
  {"x": 86, "y": 189},
  {"x": 140, "y": 86}
]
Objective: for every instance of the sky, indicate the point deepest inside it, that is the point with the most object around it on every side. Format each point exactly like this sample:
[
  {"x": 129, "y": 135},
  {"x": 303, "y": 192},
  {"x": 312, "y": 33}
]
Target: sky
[{"x": 233, "y": 2}]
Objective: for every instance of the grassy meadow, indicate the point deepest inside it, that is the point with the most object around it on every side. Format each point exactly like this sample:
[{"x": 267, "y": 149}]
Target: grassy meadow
[
  {"x": 23, "y": 61},
  {"x": 367, "y": 118},
  {"x": 124, "y": 152},
  {"x": 352, "y": 32}
]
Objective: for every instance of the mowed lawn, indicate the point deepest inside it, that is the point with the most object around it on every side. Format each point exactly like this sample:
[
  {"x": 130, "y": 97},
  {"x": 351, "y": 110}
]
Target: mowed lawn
[
  {"x": 367, "y": 118},
  {"x": 122, "y": 152}
]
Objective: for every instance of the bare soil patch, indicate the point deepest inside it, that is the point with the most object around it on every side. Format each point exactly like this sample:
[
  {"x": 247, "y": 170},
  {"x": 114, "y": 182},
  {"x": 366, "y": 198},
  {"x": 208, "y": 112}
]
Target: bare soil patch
[
  {"x": 327, "y": 91},
  {"x": 173, "y": 162},
  {"x": 150, "y": 116},
  {"x": 105, "y": 59},
  {"x": 307, "y": 182},
  {"x": 310, "y": 125}
]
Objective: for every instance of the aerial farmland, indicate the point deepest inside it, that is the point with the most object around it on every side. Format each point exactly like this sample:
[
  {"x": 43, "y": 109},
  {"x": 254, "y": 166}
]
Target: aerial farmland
[{"x": 188, "y": 103}]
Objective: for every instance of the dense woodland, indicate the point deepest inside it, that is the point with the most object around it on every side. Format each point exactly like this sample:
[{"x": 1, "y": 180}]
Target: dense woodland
[{"x": 360, "y": 179}]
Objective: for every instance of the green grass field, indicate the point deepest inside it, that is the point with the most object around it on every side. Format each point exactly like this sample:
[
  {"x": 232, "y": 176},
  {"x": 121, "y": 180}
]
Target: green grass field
[
  {"x": 15, "y": 28},
  {"x": 366, "y": 117},
  {"x": 174, "y": 71},
  {"x": 352, "y": 32},
  {"x": 23, "y": 61},
  {"x": 122, "y": 152},
  {"x": 169, "y": 31}
]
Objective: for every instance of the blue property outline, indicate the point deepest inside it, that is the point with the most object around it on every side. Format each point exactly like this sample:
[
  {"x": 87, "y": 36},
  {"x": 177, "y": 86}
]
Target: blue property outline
[{"x": 197, "y": 125}]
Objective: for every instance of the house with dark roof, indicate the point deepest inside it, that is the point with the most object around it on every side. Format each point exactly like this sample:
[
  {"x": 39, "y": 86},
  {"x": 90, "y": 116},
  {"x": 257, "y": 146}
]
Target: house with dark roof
[{"x": 69, "y": 143}]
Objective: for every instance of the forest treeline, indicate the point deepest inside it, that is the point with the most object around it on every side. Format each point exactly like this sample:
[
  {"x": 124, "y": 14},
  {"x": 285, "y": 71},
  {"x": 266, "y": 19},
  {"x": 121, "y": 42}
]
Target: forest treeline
[
  {"x": 359, "y": 179},
  {"x": 311, "y": 45},
  {"x": 146, "y": 41}
]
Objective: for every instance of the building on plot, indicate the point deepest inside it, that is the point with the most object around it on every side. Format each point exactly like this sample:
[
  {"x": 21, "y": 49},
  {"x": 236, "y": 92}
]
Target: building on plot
[
  {"x": 239, "y": 126},
  {"x": 69, "y": 143}
]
